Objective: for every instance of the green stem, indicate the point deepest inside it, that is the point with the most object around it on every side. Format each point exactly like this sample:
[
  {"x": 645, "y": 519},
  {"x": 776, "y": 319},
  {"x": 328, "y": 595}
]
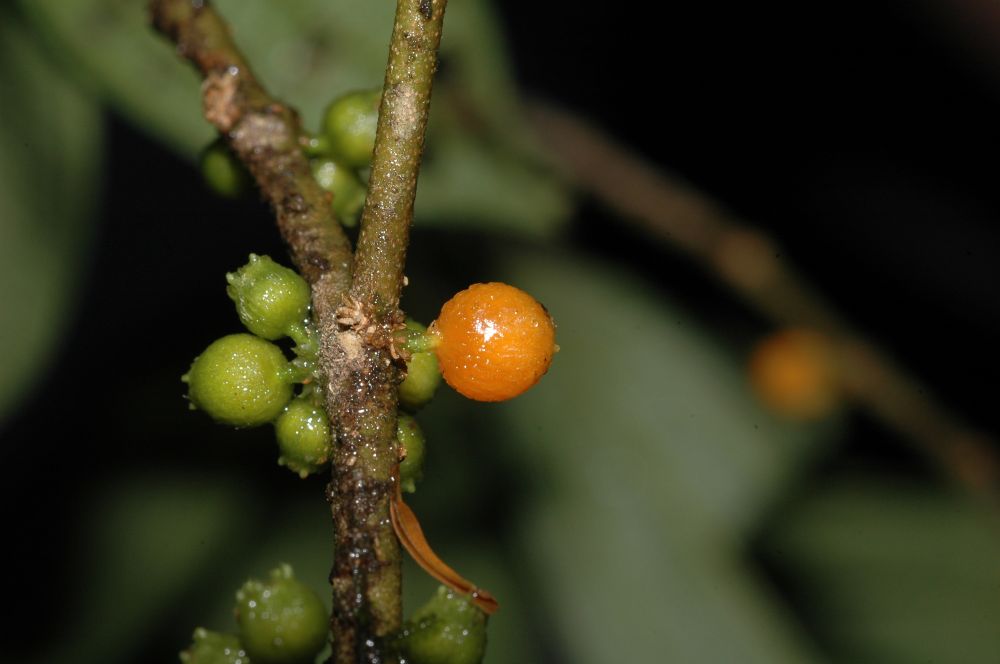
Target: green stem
[
  {"x": 367, "y": 564},
  {"x": 388, "y": 212}
]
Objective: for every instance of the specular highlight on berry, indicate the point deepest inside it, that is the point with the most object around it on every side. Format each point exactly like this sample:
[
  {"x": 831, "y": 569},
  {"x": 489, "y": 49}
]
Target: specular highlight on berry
[
  {"x": 495, "y": 341},
  {"x": 282, "y": 621}
]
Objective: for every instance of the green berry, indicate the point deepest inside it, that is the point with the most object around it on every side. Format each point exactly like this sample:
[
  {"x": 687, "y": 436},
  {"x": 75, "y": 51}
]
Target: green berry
[
  {"x": 303, "y": 433},
  {"x": 272, "y": 300},
  {"x": 240, "y": 380},
  {"x": 411, "y": 441},
  {"x": 422, "y": 372},
  {"x": 281, "y": 620},
  {"x": 347, "y": 188},
  {"x": 214, "y": 648},
  {"x": 349, "y": 124},
  {"x": 449, "y": 629},
  {"x": 223, "y": 172}
]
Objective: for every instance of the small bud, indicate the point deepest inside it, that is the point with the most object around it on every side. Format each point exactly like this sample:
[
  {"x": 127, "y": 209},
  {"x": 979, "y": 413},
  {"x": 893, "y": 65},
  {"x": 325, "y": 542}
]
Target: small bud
[
  {"x": 448, "y": 629},
  {"x": 223, "y": 172},
  {"x": 214, "y": 648},
  {"x": 281, "y": 620},
  {"x": 303, "y": 433},
  {"x": 348, "y": 190},
  {"x": 271, "y": 300},
  {"x": 349, "y": 123},
  {"x": 412, "y": 443},
  {"x": 422, "y": 373},
  {"x": 240, "y": 380}
]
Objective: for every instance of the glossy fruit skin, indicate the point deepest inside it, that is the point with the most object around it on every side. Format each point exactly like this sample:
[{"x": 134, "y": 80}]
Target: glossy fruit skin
[
  {"x": 793, "y": 372},
  {"x": 214, "y": 648},
  {"x": 348, "y": 190},
  {"x": 423, "y": 375},
  {"x": 223, "y": 172},
  {"x": 282, "y": 621},
  {"x": 349, "y": 124},
  {"x": 495, "y": 341},
  {"x": 410, "y": 437},
  {"x": 448, "y": 629},
  {"x": 240, "y": 380},
  {"x": 270, "y": 299},
  {"x": 303, "y": 433}
]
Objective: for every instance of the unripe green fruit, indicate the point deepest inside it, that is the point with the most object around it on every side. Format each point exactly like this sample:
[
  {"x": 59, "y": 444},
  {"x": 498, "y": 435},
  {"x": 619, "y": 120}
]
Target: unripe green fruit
[
  {"x": 303, "y": 433},
  {"x": 349, "y": 124},
  {"x": 240, "y": 380},
  {"x": 422, "y": 372},
  {"x": 347, "y": 188},
  {"x": 449, "y": 629},
  {"x": 281, "y": 620},
  {"x": 270, "y": 299},
  {"x": 411, "y": 441},
  {"x": 214, "y": 648},
  {"x": 223, "y": 172}
]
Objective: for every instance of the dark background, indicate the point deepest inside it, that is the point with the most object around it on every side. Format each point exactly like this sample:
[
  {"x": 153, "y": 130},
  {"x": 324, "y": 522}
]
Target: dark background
[{"x": 862, "y": 135}]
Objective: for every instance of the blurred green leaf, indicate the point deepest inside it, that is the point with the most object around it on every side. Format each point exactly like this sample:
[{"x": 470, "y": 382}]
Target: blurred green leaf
[
  {"x": 463, "y": 180},
  {"x": 653, "y": 465},
  {"x": 50, "y": 162},
  {"x": 895, "y": 573},
  {"x": 149, "y": 538},
  {"x": 310, "y": 51}
]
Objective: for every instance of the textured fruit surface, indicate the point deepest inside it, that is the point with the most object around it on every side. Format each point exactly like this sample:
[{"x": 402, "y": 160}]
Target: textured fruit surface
[
  {"x": 270, "y": 298},
  {"x": 214, "y": 648},
  {"x": 303, "y": 433},
  {"x": 411, "y": 439},
  {"x": 281, "y": 620},
  {"x": 496, "y": 341},
  {"x": 349, "y": 124},
  {"x": 240, "y": 380},
  {"x": 793, "y": 372},
  {"x": 448, "y": 629}
]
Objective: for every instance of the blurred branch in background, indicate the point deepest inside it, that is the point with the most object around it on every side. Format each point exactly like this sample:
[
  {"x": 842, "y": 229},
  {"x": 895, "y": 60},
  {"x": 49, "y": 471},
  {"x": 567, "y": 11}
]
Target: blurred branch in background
[{"x": 748, "y": 261}]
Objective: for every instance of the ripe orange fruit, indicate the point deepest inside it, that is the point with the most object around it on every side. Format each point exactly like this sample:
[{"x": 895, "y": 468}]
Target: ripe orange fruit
[
  {"x": 494, "y": 341},
  {"x": 793, "y": 372}
]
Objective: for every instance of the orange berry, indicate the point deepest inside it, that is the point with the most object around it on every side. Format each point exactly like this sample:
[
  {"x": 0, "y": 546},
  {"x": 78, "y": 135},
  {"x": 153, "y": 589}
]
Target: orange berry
[
  {"x": 494, "y": 341},
  {"x": 794, "y": 373}
]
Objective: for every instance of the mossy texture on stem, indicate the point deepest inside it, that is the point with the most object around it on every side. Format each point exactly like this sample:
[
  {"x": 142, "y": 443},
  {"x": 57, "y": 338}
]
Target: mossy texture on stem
[
  {"x": 367, "y": 566},
  {"x": 399, "y": 141}
]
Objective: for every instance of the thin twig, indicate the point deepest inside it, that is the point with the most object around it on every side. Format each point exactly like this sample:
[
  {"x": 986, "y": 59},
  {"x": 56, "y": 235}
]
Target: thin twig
[
  {"x": 366, "y": 573},
  {"x": 388, "y": 213},
  {"x": 265, "y": 134},
  {"x": 748, "y": 261}
]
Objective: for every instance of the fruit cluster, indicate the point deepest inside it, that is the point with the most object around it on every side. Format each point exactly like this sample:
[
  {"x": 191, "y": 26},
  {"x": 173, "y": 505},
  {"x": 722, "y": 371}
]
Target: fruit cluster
[
  {"x": 245, "y": 380},
  {"x": 491, "y": 342}
]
